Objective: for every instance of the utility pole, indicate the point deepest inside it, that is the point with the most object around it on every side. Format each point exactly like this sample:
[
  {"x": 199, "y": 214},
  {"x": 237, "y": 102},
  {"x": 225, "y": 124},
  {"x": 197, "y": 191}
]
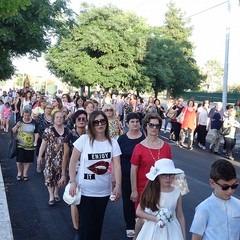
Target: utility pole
[{"x": 225, "y": 77}]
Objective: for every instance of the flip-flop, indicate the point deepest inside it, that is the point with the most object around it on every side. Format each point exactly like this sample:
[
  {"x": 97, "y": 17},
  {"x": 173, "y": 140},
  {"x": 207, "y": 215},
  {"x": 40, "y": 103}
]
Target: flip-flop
[
  {"x": 51, "y": 203},
  {"x": 130, "y": 233},
  {"x": 57, "y": 199}
]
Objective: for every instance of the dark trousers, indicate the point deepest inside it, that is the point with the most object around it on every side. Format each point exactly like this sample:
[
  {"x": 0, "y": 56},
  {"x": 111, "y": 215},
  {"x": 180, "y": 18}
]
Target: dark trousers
[
  {"x": 91, "y": 214},
  {"x": 202, "y": 133},
  {"x": 176, "y": 129},
  {"x": 128, "y": 205},
  {"x": 230, "y": 144}
]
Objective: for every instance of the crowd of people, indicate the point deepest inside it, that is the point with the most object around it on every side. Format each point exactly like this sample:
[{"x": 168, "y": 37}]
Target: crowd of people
[{"x": 110, "y": 145}]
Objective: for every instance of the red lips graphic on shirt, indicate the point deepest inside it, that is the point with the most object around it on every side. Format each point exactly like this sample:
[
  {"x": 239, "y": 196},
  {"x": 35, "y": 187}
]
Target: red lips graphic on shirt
[{"x": 99, "y": 168}]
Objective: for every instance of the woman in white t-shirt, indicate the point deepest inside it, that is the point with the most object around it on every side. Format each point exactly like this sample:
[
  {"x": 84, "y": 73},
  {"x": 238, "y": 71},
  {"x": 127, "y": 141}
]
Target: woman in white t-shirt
[
  {"x": 96, "y": 150},
  {"x": 202, "y": 123}
]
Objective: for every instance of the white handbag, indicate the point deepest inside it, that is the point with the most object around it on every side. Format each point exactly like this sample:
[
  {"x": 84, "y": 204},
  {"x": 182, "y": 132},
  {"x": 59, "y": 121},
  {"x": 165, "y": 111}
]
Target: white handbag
[{"x": 75, "y": 200}]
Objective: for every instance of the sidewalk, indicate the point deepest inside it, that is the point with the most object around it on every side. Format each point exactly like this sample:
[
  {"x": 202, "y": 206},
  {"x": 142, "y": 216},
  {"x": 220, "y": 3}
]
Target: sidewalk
[{"x": 5, "y": 223}]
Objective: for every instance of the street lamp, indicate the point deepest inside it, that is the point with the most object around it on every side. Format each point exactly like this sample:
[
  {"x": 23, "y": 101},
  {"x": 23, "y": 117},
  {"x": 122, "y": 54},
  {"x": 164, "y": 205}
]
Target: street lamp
[{"x": 225, "y": 77}]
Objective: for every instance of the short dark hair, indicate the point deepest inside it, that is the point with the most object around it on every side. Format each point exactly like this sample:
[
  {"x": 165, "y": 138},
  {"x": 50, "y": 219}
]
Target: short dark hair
[
  {"x": 132, "y": 115},
  {"x": 78, "y": 113},
  {"x": 147, "y": 119},
  {"x": 222, "y": 169}
]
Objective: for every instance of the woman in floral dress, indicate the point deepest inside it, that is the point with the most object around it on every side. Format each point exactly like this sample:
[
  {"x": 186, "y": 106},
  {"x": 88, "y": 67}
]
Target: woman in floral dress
[
  {"x": 52, "y": 143},
  {"x": 114, "y": 125}
]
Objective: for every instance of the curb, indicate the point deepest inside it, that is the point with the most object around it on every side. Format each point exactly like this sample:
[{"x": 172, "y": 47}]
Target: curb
[{"x": 5, "y": 223}]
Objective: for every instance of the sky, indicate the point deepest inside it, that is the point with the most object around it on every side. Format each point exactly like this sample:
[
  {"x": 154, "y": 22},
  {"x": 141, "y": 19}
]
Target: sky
[{"x": 209, "y": 28}]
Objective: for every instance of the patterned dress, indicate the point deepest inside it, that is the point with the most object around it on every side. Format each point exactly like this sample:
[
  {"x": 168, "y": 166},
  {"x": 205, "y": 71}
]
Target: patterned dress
[
  {"x": 53, "y": 155},
  {"x": 114, "y": 128}
]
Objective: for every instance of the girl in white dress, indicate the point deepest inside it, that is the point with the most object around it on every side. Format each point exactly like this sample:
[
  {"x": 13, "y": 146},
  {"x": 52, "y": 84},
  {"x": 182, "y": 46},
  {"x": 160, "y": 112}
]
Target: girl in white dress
[{"x": 161, "y": 204}]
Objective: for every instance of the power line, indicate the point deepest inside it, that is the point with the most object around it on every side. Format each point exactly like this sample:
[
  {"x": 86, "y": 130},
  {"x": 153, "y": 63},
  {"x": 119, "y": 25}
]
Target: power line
[{"x": 207, "y": 9}]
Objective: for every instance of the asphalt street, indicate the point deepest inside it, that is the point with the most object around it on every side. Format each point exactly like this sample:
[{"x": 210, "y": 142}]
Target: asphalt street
[{"x": 33, "y": 219}]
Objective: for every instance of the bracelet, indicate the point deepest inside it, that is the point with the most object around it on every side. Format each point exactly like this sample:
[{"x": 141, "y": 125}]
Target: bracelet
[{"x": 71, "y": 181}]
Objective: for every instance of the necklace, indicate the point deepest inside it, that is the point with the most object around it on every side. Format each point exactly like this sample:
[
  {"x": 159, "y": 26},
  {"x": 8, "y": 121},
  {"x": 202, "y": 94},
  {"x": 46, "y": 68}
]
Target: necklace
[{"x": 158, "y": 155}]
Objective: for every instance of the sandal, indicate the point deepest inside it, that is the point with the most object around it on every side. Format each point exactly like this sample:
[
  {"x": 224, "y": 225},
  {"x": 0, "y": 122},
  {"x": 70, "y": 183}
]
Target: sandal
[
  {"x": 51, "y": 203},
  {"x": 57, "y": 199},
  {"x": 25, "y": 179},
  {"x": 130, "y": 233},
  {"x": 19, "y": 178}
]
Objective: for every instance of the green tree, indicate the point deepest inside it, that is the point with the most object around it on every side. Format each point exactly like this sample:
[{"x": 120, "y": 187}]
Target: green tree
[
  {"x": 106, "y": 48},
  {"x": 214, "y": 76},
  {"x": 170, "y": 62},
  {"x": 11, "y": 7},
  {"x": 29, "y": 29}
]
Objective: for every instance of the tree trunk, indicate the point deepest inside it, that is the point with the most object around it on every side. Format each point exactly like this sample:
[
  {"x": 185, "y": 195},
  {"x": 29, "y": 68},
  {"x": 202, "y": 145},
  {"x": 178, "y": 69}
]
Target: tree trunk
[{"x": 89, "y": 89}]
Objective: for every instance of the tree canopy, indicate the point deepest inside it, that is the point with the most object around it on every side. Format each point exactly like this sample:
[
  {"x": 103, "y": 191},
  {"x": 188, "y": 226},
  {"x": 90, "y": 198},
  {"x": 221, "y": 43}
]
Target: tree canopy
[
  {"x": 169, "y": 61},
  {"x": 118, "y": 50},
  {"x": 106, "y": 48},
  {"x": 26, "y": 28}
]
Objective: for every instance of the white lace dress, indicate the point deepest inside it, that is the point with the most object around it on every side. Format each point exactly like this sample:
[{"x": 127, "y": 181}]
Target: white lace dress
[{"x": 172, "y": 230}]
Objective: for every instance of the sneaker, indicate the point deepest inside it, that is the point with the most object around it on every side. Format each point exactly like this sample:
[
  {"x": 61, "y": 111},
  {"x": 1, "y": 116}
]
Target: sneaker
[
  {"x": 177, "y": 143},
  {"x": 204, "y": 148},
  {"x": 200, "y": 145}
]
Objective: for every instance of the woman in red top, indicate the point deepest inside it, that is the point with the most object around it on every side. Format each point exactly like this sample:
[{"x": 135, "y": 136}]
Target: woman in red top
[
  {"x": 188, "y": 124},
  {"x": 145, "y": 154}
]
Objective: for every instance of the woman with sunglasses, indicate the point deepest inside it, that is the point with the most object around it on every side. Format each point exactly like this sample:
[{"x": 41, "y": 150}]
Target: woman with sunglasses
[
  {"x": 145, "y": 154},
  {"x": 43, "y": 121},
  {"x": 114, "y": 125},
  {"x": 79, "y": 119},
  {"x": 96, "y": 150}
]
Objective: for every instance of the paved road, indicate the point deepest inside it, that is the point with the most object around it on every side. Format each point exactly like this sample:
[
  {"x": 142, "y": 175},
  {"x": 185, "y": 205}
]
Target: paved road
[{"x": 33, "y": 219}]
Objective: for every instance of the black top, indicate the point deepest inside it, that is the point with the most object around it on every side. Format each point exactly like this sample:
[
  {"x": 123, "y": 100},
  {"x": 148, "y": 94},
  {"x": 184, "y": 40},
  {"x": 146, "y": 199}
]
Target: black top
[{"x": 127, "y": 145}]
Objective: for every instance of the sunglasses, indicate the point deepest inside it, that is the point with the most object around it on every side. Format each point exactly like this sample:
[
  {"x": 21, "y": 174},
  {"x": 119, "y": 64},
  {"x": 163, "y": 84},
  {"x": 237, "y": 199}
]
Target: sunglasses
[
  {"x": 81, "y": 119},
  {"x": 98, "y": 122},
  {"x": 167, "y": 176},
  {"x": 226, "y": 187},
  {"x": 151, "y": 125},
  {"x": 109, "y": 110}
]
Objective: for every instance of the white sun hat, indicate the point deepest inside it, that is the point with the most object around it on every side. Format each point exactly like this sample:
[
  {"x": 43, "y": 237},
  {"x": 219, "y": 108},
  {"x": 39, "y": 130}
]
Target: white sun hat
[{"x": 163, "y": 166}]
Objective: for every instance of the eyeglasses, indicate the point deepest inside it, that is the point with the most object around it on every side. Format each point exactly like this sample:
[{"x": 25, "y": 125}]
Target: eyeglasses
[
  {"x": 226, "y": 187},
  {"x": 81, "y": 119},
  {"x": 109, "y": 110},
  {"x": 151, "y": 125},
  {"x": 167, "y": 176},
  {"x": 98, "y": 122}
]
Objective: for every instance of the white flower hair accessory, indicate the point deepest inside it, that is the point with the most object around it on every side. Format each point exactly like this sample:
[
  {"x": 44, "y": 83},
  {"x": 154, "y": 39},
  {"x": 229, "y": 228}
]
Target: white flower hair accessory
[{"x": 163, "y": 166}]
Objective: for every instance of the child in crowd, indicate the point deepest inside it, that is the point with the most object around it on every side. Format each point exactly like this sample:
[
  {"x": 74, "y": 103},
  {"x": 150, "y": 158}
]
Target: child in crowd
[
  {"x": 161, "y": 204},
  {"x": 1, "y": 118},
  {"x": 218, "y": 217},
  {"x": 6, "y": 115}
]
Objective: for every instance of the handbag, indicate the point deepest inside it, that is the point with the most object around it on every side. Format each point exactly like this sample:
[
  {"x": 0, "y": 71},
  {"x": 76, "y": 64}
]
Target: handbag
[
  {"x": 171, "y": 113},
  {"x": 180, "y": 117},
  {"x": 75, "y": 200},
  {"x": 224, "y": 131},
  {"x": 12, "y": 148}
]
